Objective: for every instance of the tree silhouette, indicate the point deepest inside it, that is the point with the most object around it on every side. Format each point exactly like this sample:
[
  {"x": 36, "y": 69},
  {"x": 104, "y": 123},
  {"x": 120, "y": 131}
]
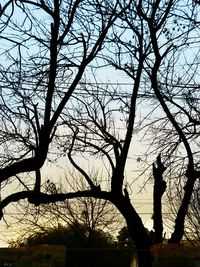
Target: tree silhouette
[{"x": 51, "y": 102}]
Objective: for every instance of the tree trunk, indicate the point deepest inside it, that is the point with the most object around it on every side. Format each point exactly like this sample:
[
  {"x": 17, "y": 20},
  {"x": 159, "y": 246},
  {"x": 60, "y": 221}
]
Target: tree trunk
[
  {"x": 159, "y": 189},
  {"x": 136, "y": 229},
  {"x": 180, "y": 218}
]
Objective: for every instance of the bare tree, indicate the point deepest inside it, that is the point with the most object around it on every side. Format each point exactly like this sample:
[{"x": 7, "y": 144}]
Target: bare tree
[
  {"x": 173, "y": 93},
  {"x": 144, "y": 40}
]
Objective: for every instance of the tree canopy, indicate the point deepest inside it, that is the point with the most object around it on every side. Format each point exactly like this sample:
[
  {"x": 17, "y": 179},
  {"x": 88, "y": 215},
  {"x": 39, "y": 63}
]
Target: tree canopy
[{"x": 72, "y": 236}]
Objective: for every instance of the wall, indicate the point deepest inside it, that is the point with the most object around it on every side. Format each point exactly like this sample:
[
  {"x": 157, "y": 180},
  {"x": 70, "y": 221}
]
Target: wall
[
  {"x": 176, "y": 255},
  {"x": 40, "y": 256}
]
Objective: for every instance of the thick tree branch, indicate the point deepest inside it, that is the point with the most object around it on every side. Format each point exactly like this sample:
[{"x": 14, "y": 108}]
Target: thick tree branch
[{"x": 42, "y": 198}]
